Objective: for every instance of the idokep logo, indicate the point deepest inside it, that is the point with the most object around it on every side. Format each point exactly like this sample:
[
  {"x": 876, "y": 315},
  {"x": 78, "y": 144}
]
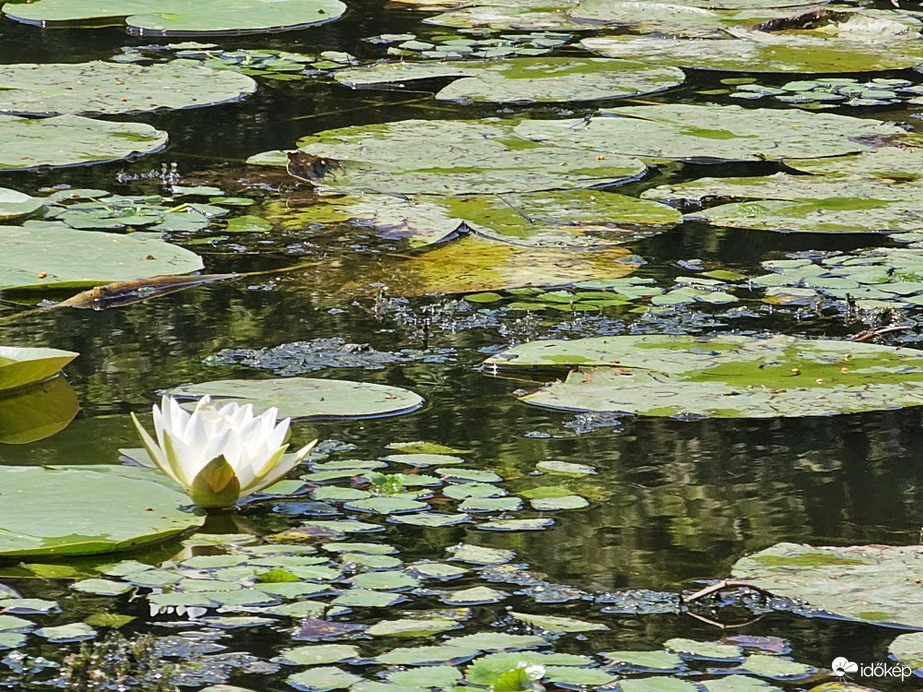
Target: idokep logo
[{"x": 842, "y": 668}]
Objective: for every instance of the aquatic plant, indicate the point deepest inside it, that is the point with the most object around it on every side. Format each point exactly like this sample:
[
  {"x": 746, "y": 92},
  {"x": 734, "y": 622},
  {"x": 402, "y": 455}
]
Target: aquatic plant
[
  {"x": 219, "y": 455},
  {"x": 118, "y": 663}
]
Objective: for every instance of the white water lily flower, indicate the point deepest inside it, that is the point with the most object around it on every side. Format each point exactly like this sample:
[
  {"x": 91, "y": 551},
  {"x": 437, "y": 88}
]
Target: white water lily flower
[{"x": 219, "y": 454}]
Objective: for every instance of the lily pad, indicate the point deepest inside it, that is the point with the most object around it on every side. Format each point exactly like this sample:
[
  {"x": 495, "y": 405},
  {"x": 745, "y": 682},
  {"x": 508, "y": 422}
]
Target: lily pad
[
  {"x": 385, "y": 580},
  {"x": 830, "y": 578},
  {"x": 43, "y": 253},
  {"x": 370, "y": 548},
  {"x": 565, "y": 468},
  {"x": 101, "y": 587},
  {"x": 568, "y": 218},
  {"x": 715, "y": 651},
  {"x": 430, "y": 519},
  {"x": 322, "y": 679},
  {"x": 441, "y": 677},
  {"x": 72, "y": 140},
  {"x": 907, "y": 649},
  {"x": 776, "y": 667},
  {"x": 556, "y": 623},
  {"x": 480, "y": 555},
  {"x": 645, "y": 660},
  {"x": 411, "y": 627},
  {"x": 459, "y": 474},
  {"x": 486, "y": 669},
  {"x": 435, "y": 157},
  {"x": 22, "y": 365},
  {"x": 516, "y": 525},
  {"x": 524, "y": 80},
  {"x": 72, "y": 632},
  {"x": 426, "y": 447},
  {"x": 388, "y": 504},
  {"x": 498, "y": 641},
  {"x": 747, "y": 683},
  {"x": 318, "y": 654},
  {"x": 491, "y": 504},
  {"x": 851, "y": 214},
  {"x": 723, "y": 377},
  {"x": 476, "y": 595},
  {"x": 547, "y": 504},
  {"x": 301, "y": 397},
  {"x": 14, "y": 205},
  {"x": 660, "y": 683},
  {"x": 366, "y": 598},
  {"x": 437, "y": 570},
  {"x": 107, "y": 87},
  {"x": 760, "y": 51},
  {"x": 676, "y": 131},
  {"x": 424, "y": 460},
  {"x": 424, "y": 655},
  {"x": 180, "y": 18},
  {"x": 141, "y": 509}
]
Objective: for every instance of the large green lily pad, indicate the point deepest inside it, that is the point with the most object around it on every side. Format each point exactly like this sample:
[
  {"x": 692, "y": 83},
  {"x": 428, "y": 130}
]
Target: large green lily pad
[
  {"x": 108, "y": 87},
  {"x": 42, "y": 254},
  {"x": 907, "y": 649},
  {"x": 806, "y": 203},
  {"x": 14, "y": 205},
  {"x": 853, "y": 214},
  {"x": 702, "y": 132},
  {"x": 887, "y": 164},
  {"x": 759, "y": 51},
  {"x": 180, "y": 17},
  {"x": 692, "y": 18},
  {"x": 849, "y": 190},
  {"x": 21, "y": 365},
  {"x": 660, "y": 18},
  {"x": 874, "y": 583},
  {"x": 72, "y": 140},
  {"x": 524, "y": 80},
  {"x": 56, "y": 510},
  {"x": 304, "y": 397},
  {"x": 566, "y": 218},
  {"x": 446, "y": 157},
  {"x": 722, "y": 377}
]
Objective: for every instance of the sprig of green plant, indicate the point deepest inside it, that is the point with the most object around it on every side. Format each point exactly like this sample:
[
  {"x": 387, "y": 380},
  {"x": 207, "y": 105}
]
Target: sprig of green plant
[{"x": 385, "y": 483}]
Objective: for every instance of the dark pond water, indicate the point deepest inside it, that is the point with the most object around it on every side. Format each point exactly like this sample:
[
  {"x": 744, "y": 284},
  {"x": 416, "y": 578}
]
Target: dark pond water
[{"x": 677, "y": 502}]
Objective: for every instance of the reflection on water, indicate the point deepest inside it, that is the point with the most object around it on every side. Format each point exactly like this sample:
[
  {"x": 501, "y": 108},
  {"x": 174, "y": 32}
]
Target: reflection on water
[{"x": 673, "y": 502}]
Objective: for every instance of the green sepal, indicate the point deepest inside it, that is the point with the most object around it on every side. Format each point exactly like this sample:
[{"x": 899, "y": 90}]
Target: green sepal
[{"x": 216, "y": 485}]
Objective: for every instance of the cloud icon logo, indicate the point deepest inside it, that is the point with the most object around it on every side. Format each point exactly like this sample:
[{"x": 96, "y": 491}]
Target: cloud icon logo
[{"x": 842, "y": 665}]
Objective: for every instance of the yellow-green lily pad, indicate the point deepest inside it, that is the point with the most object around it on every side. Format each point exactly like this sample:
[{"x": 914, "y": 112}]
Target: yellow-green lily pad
[
  {"x": 723, "y": 377},
  {"x": 179, "y": 17}
]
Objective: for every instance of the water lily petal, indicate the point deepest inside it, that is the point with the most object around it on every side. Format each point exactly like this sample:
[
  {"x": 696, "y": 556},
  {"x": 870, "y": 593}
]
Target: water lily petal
[
  {"x": 303, "y": 452},
  {"x": 275, "y": 468},
  {"x": 176, "y": 418},
  {"x": 153, "y": 449},
  {"x": 252, "y": 476},
  {"x": 278, "y": 435},
  {"x": 159, "y": 422},
  {"x": 177, "y": 455},
  {"x": 219, "y": 443}
]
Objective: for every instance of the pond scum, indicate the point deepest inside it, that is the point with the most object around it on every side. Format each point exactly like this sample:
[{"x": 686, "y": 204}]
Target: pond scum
[{"x": 606, "y": 316}]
